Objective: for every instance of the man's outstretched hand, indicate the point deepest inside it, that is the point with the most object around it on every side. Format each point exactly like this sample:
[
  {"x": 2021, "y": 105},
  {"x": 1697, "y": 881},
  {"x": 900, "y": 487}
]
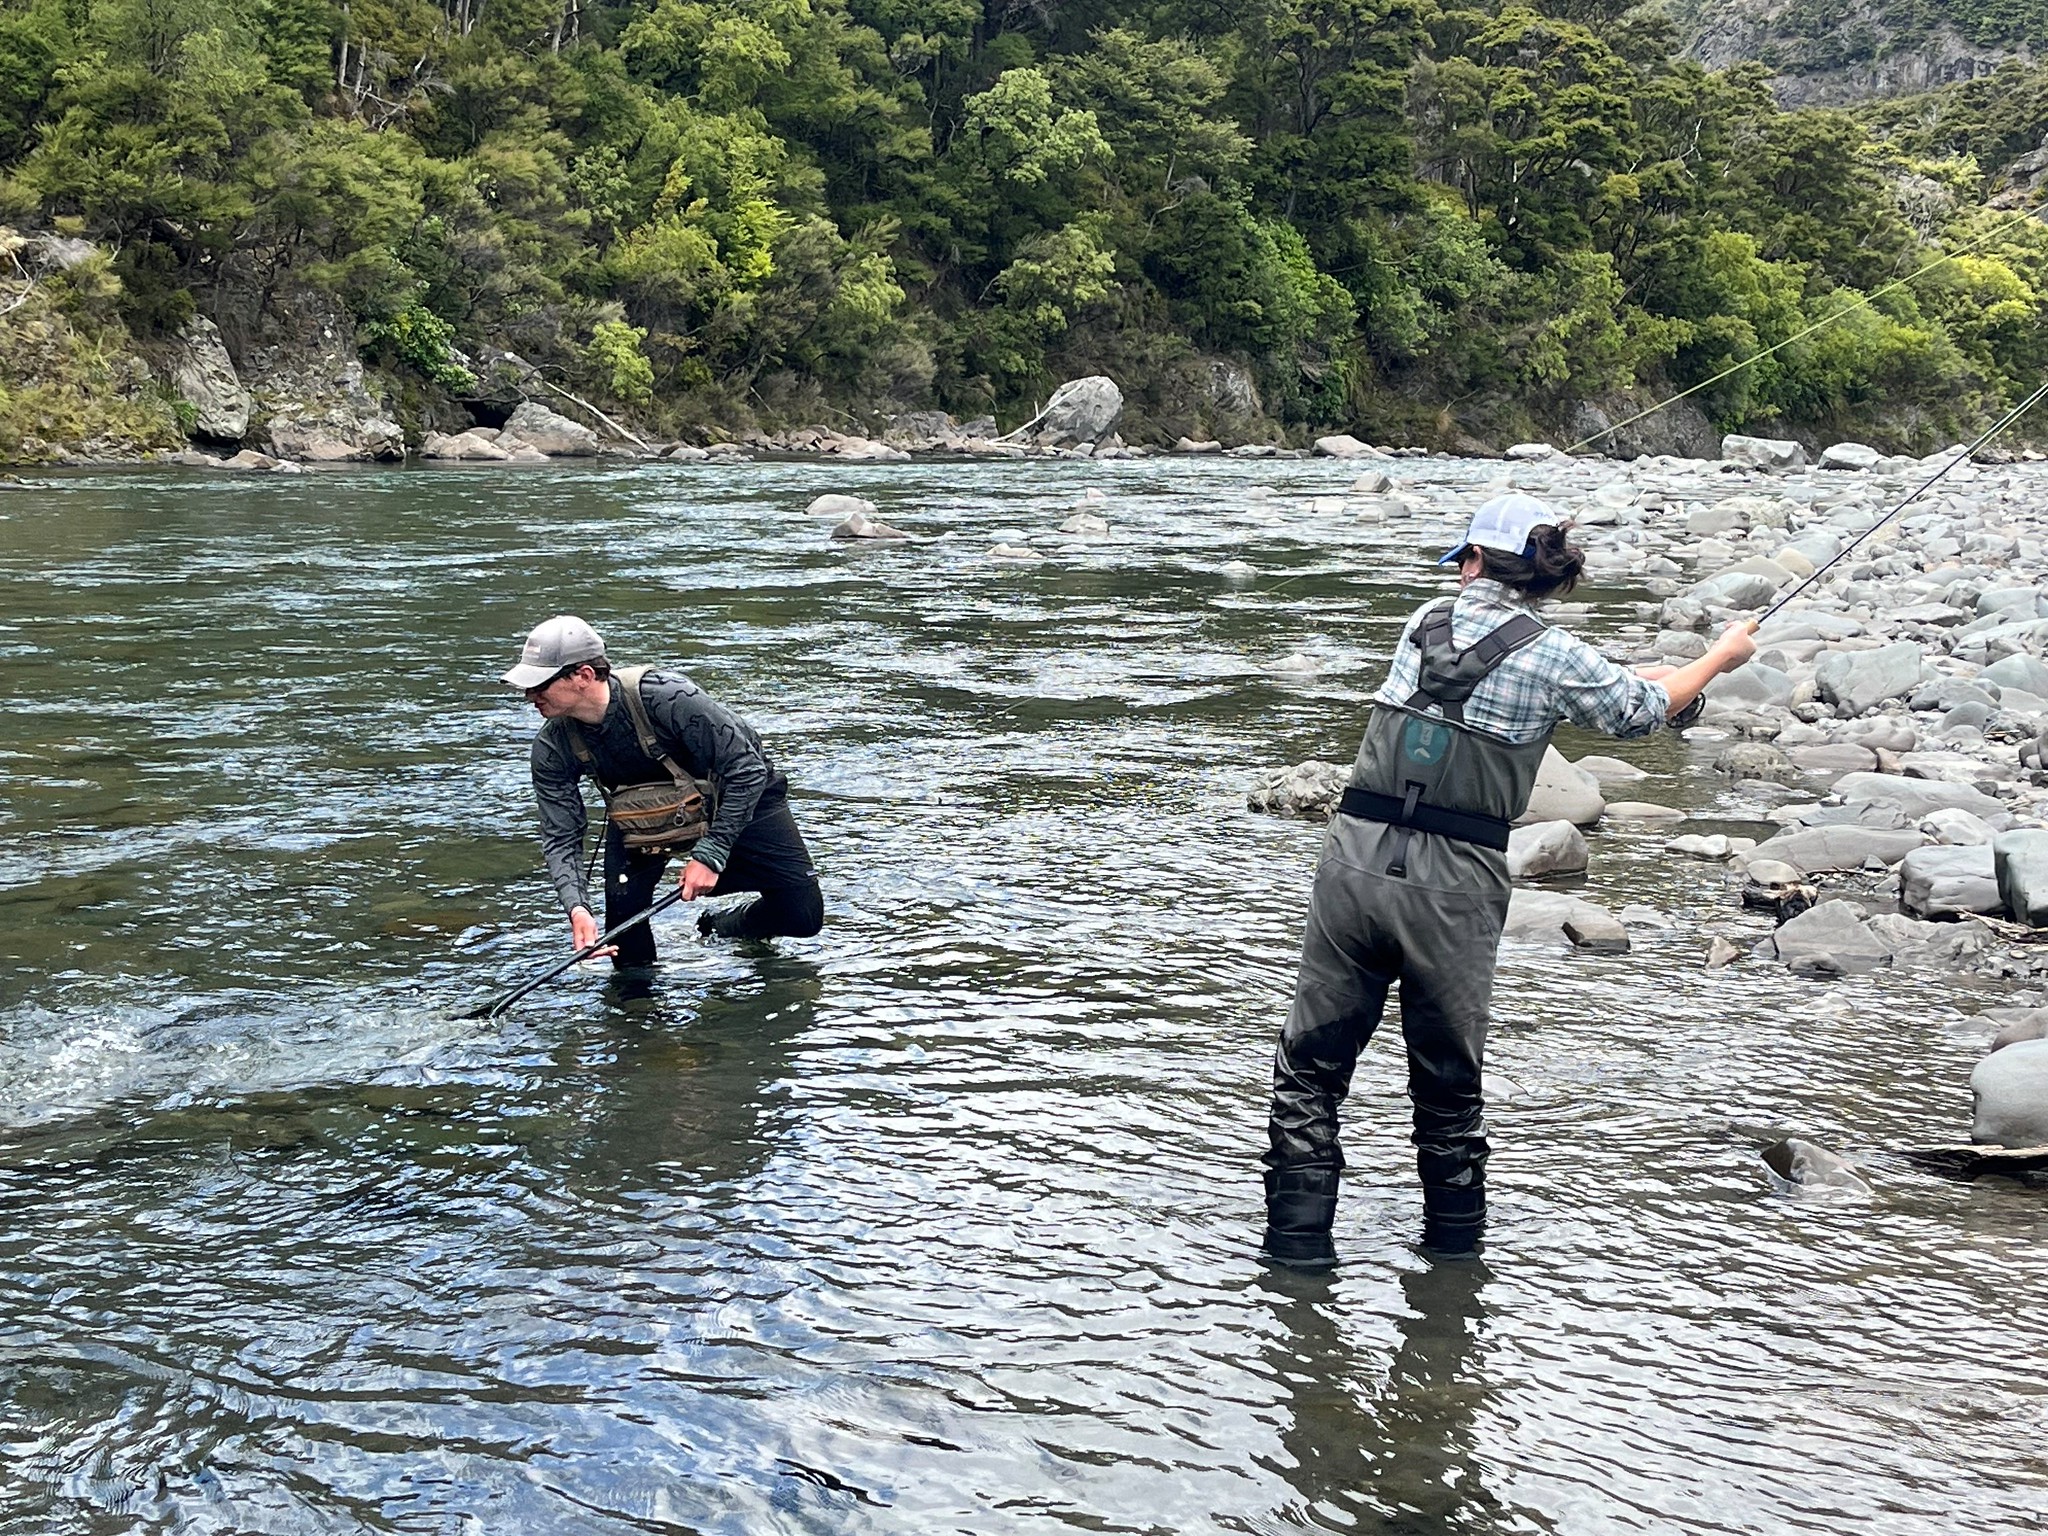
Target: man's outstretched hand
[
  {"x": 583, "y": 932},
  {"x": 697, "y": 880}
]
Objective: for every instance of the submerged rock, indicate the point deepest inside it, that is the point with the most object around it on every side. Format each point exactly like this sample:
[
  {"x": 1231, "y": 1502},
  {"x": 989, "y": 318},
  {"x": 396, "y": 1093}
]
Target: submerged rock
[
  {"x": 1756, "y": 760},
  {"x": 1807, "y": 1165},
  {"x": 861, "y": 526},
  {"x": 1541, "y": 915}
]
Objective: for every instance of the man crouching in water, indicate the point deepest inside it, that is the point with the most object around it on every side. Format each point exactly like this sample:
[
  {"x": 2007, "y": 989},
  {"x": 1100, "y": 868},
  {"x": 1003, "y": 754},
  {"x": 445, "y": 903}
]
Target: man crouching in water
[
  {"x": 651, "y": 749},
  {"x": 1413, "y": 881}
]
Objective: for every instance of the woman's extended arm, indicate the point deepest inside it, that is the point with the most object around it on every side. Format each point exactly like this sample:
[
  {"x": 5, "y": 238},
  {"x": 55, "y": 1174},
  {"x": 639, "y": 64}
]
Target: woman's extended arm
[{"x": 1735, "y": 646}]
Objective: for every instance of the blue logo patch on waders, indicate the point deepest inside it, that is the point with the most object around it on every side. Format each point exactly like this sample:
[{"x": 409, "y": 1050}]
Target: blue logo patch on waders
[{"x": 1424, "y": 742}]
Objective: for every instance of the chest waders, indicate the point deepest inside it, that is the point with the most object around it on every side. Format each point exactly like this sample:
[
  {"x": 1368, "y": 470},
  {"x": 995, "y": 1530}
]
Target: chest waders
[
  {"x": 1388, "y": 909},
  {"x": 1426, "y": 773}
]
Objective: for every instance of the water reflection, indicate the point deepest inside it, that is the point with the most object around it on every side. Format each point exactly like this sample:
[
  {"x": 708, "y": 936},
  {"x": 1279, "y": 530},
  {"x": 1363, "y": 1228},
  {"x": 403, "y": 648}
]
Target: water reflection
[
  {"x": 1388, "y": 1444},
  {"x": 690, "y": 1081}
]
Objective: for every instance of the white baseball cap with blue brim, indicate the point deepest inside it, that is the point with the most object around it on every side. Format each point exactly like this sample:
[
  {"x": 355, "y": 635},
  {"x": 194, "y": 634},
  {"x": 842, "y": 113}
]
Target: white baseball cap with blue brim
[
  {"x": 1503, "y": 523},
  {"x": 561, "y": 641}
]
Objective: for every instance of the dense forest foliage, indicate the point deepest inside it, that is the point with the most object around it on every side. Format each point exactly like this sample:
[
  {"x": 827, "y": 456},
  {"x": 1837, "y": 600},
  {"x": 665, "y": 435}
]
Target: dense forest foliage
[{"x": 1395, "y": 214}]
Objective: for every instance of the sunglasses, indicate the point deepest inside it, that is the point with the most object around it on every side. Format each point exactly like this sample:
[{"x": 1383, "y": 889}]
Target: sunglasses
[{"x": 540, "y": 688}]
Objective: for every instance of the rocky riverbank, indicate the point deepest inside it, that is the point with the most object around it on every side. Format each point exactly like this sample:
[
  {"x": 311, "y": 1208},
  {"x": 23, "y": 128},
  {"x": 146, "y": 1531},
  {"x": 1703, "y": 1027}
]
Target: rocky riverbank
[{"x": 1893, "y": 726}]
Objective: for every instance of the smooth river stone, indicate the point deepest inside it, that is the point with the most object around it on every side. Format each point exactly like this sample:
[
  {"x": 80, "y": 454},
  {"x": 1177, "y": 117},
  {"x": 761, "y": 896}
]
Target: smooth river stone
[
  {"x": 1562, "y": 793},
  {"x": 1819, "y": 849},
  {"x": 2020, "y": 865},
  {"x": 1915, "y": 797},
  {"x": 1853, "y": 681},
  {"x": 1834, "y": 757},
  {"x": 1944, "y": 881},
  {"x": 1643, "y": 810},
  {"x": 1546, "y": 848},
  {"x": 2010, "y": 1089},
  {"x": 1829, "y": 940}
]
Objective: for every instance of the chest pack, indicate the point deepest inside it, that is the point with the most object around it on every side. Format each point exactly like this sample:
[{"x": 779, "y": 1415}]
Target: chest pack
[
  {"x": 1431, "y": 772},
  {"x": 662, "y": 816}
]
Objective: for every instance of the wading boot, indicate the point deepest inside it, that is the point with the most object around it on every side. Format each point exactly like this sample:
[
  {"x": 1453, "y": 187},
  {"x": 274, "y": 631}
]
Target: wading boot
[
  {"x": 1301, "y": 1204},
  {"x": 1453, "y": 1205}
]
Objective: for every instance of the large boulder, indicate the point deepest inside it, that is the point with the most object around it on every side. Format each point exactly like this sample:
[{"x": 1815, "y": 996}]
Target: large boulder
[
  {"x": 1080, "y": 411},
  {"x": 204, "y": 376},
  {"x": 1849, "y": 456},
  {"x": 1737, "y": 587},
  {"x": 1914, "y": 797},
  {"x": 1762, "y": 452},
  {"x": 336, "y": 438},
  {"x": 1942, "y": 881},
  {"x": 1309, "y": 790},
  {"x": 2010, "y": 1089},
  {"x": 1829, "y": 940},
  {"x": 1816, "y": 850},
  {"x": 1563, "y": 793},
  {"x": 1751, "y": 685},
  {"x": 461, "y": 445},
  {"x": 1546, "y": 848},
  {"x": 2020, "y": 866},
  {"x": 1342, "y": 445},
  {"x": 1853, "y": 681},
  {"x": 2017, "y": 671},
  {"x": 860, "y": 526},
  {"x": 552, "y": 433},
  {"x": 838, "y": 506}
]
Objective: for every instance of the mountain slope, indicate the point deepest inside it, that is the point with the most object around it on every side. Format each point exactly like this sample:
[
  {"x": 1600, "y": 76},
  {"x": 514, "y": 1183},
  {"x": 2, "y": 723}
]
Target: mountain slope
[{"x": 1831, "y": 53}]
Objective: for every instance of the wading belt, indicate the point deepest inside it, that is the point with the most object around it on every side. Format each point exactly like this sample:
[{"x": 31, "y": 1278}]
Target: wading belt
[
  {"x": 1447, "y": 677},
  {"x": 1411, "y": 814}
]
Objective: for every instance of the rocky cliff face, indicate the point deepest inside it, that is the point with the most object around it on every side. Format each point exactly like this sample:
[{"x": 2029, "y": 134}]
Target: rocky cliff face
[{"x": 1835, "y": 54}]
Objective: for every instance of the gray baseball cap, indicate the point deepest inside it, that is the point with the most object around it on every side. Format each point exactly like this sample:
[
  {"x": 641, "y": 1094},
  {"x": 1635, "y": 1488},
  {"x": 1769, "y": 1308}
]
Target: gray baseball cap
[{"x": 562, "y": 641}]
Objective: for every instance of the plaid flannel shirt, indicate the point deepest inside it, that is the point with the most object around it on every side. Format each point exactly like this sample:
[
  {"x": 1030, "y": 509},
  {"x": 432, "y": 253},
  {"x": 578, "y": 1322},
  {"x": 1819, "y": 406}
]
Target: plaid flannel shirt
[{"x": 1555, "y": 677}]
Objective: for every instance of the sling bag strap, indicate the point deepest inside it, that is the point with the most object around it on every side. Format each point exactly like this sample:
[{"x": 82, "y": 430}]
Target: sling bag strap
[
  {"x": 643, "y": 728},
  {"x": 1449, "y": 686}
]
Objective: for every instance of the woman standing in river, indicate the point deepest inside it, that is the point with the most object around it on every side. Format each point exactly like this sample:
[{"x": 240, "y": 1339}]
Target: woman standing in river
[{"x": 1413, "y": 882}]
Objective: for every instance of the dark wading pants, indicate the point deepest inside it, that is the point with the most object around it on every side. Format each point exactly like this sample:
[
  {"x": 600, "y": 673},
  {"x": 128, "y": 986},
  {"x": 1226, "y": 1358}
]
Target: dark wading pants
[
  {"x": 770, "y": 858},
  {"x": 1435, "y": 932}
]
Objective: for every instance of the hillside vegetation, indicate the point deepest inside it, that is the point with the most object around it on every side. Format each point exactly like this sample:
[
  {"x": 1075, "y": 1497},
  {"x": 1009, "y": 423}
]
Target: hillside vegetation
[{"x": 1417, "y": 220}]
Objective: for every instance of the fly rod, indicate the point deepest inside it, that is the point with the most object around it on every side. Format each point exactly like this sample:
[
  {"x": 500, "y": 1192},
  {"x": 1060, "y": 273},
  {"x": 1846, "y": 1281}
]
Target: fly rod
[
  {"x": 1906, "y": 501},
  {"x": 492, "y": 1010}
]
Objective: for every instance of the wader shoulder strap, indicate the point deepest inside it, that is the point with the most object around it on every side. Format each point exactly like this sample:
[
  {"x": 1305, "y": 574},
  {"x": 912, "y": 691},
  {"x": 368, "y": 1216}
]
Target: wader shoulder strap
[
  {"x": 629, "y": 686},
  {"x": 1448, "y": 674}
]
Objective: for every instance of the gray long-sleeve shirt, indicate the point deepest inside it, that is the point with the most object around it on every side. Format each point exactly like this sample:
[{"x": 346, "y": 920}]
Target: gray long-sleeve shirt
[{"x": 703, "y": 736}]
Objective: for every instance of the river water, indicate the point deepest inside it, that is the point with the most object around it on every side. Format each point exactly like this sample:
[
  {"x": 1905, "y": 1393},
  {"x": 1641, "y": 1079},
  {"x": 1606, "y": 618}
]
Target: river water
[{"x": 945, "y": 1220}]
